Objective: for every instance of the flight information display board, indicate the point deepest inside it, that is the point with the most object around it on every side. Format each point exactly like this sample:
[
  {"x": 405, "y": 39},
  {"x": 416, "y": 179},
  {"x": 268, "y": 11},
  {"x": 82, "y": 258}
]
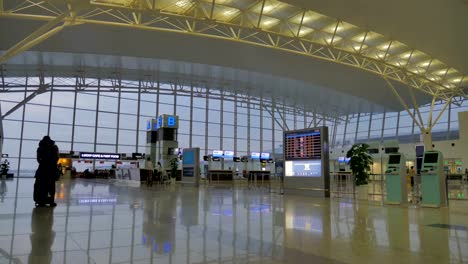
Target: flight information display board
[
  {"x": 306, "y": 162},
  {"x": 306, "y": 145}
]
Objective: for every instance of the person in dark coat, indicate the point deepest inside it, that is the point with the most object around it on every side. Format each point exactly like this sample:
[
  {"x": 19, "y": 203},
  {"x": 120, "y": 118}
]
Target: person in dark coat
[{"x": 46, "y": 174}]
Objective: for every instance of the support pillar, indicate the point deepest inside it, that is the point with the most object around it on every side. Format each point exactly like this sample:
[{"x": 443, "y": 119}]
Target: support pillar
[{"x": 426, "y": 138}]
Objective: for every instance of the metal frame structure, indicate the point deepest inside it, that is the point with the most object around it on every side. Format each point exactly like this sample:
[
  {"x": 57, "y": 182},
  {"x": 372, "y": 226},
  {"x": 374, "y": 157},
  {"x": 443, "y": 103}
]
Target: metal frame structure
[
  {"x": 116, "y": 88},
  {"x": 266, "y": 23}
]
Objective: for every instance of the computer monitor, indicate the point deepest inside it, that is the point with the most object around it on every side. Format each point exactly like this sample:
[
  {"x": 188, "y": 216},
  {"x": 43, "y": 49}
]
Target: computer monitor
[
  {"x": 394, "y": 159},
  {"x": 431, "y": 157}
]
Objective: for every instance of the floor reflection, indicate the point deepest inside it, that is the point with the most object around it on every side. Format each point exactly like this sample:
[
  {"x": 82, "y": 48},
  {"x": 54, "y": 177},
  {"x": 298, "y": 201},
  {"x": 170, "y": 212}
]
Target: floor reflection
[
  {"x": 42, "y": 235},
  {"x": 97, "y": 222}
]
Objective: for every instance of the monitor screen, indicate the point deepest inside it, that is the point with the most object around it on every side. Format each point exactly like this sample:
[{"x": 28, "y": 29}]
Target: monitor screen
[
  {"x": 431, "y": 157},
  {"x": 228, "y": 154},
  {"x": 217, "y": 153},
  {"x": 265, "y": 156},
  {"x": 303, "y": 168},
  {"x": 394, "y": 159},
  {"x": 255, "y": 155},
  {"x": 341, "y": 159}
]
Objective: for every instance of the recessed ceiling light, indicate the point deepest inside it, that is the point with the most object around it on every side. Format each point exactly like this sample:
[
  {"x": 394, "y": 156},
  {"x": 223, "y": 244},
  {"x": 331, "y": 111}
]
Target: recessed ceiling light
[
  {"x": 425, "y": 64},
  {"x": 228, "y": 12},
  {"x": 456, "y": 80},
  {"x": 406, "y": 55},
  {"x": 441, "y": 72},
  {"x": 267, "y": 22},
  {"x": 267, "y": 8},
  {"x": 182, "y": 3}
]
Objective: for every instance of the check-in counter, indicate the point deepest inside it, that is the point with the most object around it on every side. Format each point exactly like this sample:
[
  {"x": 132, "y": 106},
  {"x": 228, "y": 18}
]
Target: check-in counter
[
  {"x": 259, "y": 175},
  {"x": 220, "y": 175}
]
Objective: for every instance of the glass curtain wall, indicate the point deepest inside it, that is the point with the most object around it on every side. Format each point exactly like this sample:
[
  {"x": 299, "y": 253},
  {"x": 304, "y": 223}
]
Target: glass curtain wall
[
  {"x": 110, "y": 116},
  {"x": 95, "y": 115}
]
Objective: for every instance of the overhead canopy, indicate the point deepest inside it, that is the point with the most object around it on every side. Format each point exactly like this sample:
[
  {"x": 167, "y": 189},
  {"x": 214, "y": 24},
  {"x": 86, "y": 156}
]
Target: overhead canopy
[{"x": 220, "y": 63}]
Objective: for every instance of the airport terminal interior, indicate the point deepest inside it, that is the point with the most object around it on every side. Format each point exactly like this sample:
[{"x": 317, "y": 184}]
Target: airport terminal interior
[{"x": 234, "y": 131}]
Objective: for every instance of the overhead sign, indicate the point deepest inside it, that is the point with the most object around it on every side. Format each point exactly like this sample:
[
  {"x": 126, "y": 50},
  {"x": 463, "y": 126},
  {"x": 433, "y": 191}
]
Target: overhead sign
[
  {"x": 4, "y": 155},
  {"x": 217, "y": 153},
  {"x": 228, "y": 154},
  {"x": 265, "y": 156},
  {"x": 255, "y": 155},
  {"x": 89, "y": 155}
]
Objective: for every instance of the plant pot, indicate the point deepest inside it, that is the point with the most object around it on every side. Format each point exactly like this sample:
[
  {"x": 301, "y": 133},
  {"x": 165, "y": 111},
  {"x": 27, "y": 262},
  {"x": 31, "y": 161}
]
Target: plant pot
[{"x": 362, "y": 192}]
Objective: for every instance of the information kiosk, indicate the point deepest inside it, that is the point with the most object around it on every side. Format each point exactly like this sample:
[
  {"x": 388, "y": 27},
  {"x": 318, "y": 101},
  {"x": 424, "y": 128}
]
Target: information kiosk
[
  {"x": 306, "y": 162},
  {"x": 191, "y": 166},
  {"x": 395, "y": 177},
  {"x": 433, "y": 185}
]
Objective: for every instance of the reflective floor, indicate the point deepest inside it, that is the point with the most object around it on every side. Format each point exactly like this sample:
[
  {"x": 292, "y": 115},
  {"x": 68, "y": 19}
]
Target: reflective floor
[{"x": 97, "y": 222}]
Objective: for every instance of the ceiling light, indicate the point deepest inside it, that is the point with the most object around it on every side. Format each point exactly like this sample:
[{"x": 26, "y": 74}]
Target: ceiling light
[
  {"x": 357, "y": 47},
  {"x": 303, "y": 32},
  {"x": 425, "y": 64},
  {"x": 386, "y": 46},
  {"x": 228, "y": 12},
  {"x": 441, "y": 72},
  {"x": 456, "y": 80},
  {"x": 406, "y": 55},
  {"x": 267, "y": 8},
  {"x": 267, "y": 22},
  {"x": 182, "y": 3}
]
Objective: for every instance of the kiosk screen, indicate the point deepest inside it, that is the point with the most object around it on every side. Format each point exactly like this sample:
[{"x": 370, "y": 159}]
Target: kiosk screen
[
  {"x": 303, "y": 168},
  {"x": 394, "y": 159},
  {"x": 431, "y": 157}
]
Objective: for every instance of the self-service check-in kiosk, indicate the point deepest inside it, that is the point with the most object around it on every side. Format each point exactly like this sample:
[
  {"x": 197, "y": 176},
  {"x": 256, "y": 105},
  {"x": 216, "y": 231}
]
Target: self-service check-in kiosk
[
  {"x": 433, "y": 185},
  {"x": 395, "y": 177}
]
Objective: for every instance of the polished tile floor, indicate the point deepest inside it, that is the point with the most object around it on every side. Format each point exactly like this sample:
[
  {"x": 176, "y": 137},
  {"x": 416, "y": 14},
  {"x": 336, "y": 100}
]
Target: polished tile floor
[{"x": 97, "y": 222}]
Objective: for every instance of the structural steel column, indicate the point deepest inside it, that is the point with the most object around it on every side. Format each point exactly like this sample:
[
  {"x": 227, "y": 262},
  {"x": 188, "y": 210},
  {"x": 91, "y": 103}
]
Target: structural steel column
[
  {"x": 74, "y": 118},
  {"x": 235, "y": 124},
  {"x": 50, "y": 106},
  {"x": 191, "y": 117},
  {"x": 273, "y": 126},
  {"x": 260, "y": 108},
  {"x": 118, "y": 119},
  {"x": 207, "y": 104},
  {"x": 248, "y": 125},
  {"x": 138, "y": 118},
  {"x": 370, "y": 126},
  {"x": 345, "y": 130},
  {"x": 20, "y": 154},
  {"x": 221, "y": 120},
  {"x": 97, "y": 114},
  {"x": 383, "y": 125},
  {"x": 357, "y": 126},
  {"x": 398, "y": 125}
]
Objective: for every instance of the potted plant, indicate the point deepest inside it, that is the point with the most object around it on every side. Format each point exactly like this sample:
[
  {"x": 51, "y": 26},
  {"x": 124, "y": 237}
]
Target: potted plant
[
  {"x": 174, "y": 165},
  {"x": 4, "y": 168},
  {"x": 360, "y": 164}
]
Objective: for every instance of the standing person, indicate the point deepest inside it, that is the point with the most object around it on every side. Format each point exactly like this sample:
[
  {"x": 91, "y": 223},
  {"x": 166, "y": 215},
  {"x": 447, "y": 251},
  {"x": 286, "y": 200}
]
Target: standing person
[
  {"x": 466, "y": 174},
  {"x": 46, "y": 174}
]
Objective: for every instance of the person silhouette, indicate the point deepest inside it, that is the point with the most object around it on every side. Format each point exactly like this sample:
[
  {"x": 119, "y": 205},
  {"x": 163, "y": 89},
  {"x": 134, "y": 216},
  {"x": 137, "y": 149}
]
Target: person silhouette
[
  {"x": 42, "y": 235},
  {"x": 46, "y": 173}
]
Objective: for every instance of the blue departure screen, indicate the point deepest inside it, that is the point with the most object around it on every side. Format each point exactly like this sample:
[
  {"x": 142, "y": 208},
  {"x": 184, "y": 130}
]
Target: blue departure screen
[{"x": 148, "y": 125}]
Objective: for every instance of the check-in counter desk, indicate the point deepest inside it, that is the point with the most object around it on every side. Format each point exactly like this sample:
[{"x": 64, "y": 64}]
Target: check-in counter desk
[
  {"x": 220, "y": 175},
  {"x": 259, "y": 175}
]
